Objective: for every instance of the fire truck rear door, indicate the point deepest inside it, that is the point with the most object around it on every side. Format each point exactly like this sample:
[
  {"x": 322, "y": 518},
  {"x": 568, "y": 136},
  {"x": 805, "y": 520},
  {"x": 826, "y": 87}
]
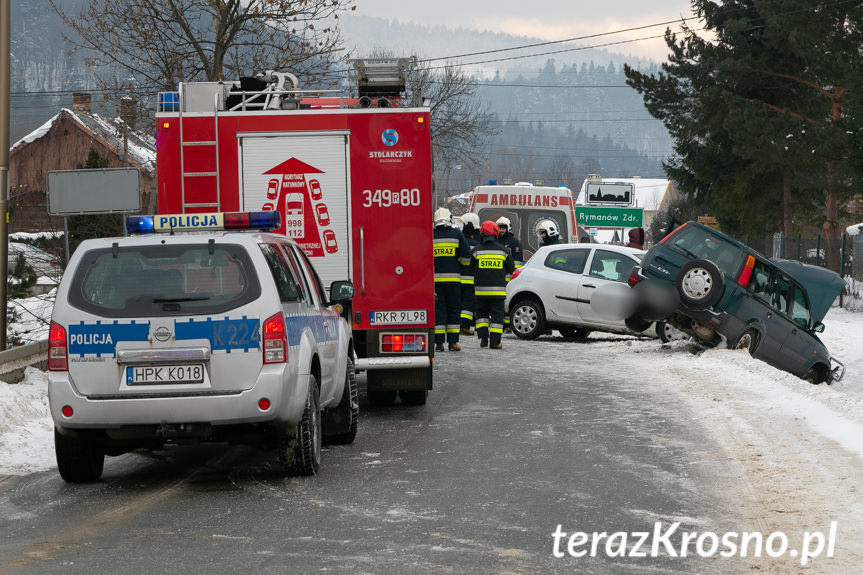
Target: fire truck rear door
[{"x": 310, "y": 172}]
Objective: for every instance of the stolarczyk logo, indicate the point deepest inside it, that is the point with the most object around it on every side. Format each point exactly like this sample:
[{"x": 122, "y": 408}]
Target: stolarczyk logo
[{"x": 390, "y": 137}]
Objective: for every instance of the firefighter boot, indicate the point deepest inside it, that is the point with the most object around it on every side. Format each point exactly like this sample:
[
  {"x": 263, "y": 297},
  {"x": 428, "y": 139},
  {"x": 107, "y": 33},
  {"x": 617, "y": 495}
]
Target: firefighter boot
[
  {"x": 496, "y": 346},
  {"x": 438, "y": 347},
  {"x": 483, "y": 342},
  {"x": 467, "y": 330},
  {"x": 454, "y": 347}
]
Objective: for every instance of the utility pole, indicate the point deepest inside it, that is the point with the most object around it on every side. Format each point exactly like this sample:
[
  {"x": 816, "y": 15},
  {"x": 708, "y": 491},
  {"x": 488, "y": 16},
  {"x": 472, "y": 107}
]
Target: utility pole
[{"x": 5, "y": 63}]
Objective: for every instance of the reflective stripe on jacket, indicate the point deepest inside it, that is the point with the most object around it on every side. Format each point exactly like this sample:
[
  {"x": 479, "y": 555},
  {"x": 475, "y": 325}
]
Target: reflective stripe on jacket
[
  {"x": 451, "y": 254},
  {"x": 493, "y": 265}
]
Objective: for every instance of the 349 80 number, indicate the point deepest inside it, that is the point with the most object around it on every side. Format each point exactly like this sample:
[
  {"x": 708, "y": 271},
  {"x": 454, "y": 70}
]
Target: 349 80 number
[{"x": 387, "y": 198}]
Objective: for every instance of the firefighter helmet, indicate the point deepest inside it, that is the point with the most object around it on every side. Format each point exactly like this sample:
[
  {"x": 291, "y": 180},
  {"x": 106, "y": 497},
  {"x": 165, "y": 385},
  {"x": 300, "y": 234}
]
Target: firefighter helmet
[
  {"x": 504, "y": 221},
  {"x": 442, "y": 217},
  {"x": 489, "y": 228},
  {"x": 471, "y": 218},
  {"x": 549, "y": 228}
]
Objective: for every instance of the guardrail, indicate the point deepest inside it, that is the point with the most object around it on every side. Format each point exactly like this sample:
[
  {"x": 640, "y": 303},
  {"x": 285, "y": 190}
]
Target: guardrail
[{"x": 14, "y": 361}]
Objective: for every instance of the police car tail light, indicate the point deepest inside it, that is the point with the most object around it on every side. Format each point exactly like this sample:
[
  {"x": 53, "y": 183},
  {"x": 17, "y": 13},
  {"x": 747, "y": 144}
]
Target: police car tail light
[
  {"x": 516, "y": 273},
  {"x": 57, "y": 355},
  {"x": 275, "y": 340},
  {"x": 403, "y": 342}
]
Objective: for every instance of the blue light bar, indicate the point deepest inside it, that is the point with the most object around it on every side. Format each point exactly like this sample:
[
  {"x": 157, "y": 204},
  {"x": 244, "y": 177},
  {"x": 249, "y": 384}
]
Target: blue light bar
[
  {"x": 203, "y": 222},
  {"x": 139, "y": 225}
]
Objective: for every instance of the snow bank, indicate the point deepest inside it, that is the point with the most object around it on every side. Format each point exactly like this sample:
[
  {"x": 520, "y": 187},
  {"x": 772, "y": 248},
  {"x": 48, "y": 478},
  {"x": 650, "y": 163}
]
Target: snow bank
[{"x": 26, "y": 429}]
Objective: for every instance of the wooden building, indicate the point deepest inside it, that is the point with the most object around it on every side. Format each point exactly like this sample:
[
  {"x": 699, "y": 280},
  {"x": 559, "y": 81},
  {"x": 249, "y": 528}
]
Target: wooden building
[{"x": 65, "y": 142}]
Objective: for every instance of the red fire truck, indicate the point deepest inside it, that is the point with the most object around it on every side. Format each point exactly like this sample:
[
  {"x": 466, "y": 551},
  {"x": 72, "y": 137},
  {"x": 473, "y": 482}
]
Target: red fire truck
[{"x": 352, "y": 179}]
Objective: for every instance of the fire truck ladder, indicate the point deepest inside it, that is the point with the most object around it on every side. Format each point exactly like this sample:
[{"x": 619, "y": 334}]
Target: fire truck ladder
[{"x": 214, "y": 144}]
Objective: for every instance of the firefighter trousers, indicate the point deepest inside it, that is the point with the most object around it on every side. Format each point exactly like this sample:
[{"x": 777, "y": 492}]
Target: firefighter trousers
[
  {"x": 468, "y": 305},
  {"x": 447, "y": 308},
  {"x": 489, "y": 318}
]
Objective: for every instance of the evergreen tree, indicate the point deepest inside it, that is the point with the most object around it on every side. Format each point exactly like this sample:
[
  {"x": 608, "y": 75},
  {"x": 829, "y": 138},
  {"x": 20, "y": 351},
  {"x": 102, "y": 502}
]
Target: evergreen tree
[
  {"x": 20, "y": 279},
  {"x": 764, "y": 116}
]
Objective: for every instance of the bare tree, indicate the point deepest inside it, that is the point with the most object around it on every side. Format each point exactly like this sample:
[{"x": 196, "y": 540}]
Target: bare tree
[
  {"x": 155, "y": 44},
  {"x": 460, "y": 122}
]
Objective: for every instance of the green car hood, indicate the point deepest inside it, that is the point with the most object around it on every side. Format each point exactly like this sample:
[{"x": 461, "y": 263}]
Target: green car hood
[{"x": 822, "y": 285}]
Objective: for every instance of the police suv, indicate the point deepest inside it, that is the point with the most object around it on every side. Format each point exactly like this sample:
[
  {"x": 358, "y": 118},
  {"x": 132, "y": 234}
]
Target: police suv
[{"x": 191, "y": 329}]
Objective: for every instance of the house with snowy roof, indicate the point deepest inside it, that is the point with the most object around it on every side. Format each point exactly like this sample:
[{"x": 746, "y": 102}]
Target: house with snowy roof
[{"x": 64, "y": 143}]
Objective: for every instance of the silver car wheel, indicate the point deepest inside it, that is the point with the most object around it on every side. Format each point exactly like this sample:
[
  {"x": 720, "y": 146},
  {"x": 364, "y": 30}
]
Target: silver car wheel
[
  {"x": 524, "y": 319},
  {"x": 697, "y": 283}
]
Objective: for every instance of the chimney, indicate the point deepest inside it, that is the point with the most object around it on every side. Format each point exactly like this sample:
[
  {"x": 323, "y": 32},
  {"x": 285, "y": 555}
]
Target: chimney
[
  {"x": 128, "y": 111},
  {"x": 81, "y": 102}
]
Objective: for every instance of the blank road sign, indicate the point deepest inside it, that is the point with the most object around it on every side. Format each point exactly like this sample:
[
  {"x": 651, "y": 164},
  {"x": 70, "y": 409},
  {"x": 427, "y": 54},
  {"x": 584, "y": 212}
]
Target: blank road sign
[{"x": 99, "y": 191}]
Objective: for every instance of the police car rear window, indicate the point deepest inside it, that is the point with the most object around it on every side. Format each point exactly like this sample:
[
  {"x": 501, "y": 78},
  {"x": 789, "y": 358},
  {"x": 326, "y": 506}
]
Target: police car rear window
[{"x": 164, "y": 280}]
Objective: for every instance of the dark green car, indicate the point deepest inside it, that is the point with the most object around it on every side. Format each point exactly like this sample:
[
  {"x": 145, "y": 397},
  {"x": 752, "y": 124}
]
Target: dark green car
[{"x": 718, "y": 290}]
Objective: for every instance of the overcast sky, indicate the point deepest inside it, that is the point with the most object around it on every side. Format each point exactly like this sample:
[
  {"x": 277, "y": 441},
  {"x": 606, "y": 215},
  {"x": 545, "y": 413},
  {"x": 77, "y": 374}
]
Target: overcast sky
[{"x": 546, "y": 19}]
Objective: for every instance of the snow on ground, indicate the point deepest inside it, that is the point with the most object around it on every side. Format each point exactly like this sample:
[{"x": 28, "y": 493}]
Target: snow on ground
[{"x": 26, "y": 429}]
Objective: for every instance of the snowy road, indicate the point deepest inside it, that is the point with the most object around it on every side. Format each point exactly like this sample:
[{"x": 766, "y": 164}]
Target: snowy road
[{"x": 611, "y": 435}]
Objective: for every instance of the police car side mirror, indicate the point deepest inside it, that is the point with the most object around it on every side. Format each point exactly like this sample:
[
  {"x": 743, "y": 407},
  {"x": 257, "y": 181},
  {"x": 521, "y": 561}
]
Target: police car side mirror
[
  {"x": 818, "y": 327},
  {"x": 341, "y": 290}
]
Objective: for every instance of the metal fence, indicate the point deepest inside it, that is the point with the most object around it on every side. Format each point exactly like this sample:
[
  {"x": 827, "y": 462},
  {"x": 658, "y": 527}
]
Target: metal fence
[{"x": 839, "y": 255}]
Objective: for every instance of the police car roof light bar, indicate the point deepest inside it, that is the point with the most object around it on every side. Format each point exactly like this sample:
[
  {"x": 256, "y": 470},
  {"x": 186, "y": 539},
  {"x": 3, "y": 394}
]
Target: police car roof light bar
[{"x": 171, "y": 223}]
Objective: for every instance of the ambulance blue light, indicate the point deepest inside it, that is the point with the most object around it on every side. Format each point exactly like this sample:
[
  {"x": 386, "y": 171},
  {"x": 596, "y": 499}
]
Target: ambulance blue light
[{"x": 139, "y": 225}]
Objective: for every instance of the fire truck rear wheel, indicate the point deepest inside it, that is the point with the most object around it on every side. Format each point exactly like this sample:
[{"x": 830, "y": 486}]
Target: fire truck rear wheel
[
  {"x": 381, "y": 398},
  {"x": 414, "y": 396}
]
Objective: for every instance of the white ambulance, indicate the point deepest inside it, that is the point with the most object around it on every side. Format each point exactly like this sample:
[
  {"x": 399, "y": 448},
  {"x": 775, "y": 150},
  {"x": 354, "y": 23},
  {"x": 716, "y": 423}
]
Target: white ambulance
[{"x": 527, "y": 207}]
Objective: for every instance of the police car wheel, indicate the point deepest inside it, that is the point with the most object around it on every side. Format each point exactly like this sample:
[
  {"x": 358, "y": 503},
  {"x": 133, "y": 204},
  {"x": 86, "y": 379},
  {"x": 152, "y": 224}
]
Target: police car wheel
[
  {"x": 78, "y": 460},
  {"x": 527, "y": 319},
  {"x": 414, "y": 396},
  {"x": 303, "y": 456},
  {"x": 348, "y": 410},
  {"x": 700, "y": 284}
]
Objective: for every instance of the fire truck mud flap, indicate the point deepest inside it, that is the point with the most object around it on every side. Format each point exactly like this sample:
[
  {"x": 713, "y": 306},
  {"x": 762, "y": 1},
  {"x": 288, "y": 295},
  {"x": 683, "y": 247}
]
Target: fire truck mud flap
[{"x": 399, "y": 379}]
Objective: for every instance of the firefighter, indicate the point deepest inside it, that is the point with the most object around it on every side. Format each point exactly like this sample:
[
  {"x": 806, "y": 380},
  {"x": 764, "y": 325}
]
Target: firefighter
[
  {"x": 468, "y": 302},
  {"x": 493, "y": 267},
  {"x": 548, "y": 234},
  {"x": 508, "y": 239},
  {"x": 451, "y": 254}
]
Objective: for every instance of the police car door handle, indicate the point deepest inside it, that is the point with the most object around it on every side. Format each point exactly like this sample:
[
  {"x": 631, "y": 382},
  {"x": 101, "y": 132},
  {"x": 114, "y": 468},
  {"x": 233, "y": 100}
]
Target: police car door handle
[
  {"x": 362, "y": 263},
  {"x": 588, "y": 285}
]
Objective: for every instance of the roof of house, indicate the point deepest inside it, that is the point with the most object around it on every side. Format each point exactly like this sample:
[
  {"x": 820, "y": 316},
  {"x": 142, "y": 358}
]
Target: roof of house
[{"x": 141, "y": 146}]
